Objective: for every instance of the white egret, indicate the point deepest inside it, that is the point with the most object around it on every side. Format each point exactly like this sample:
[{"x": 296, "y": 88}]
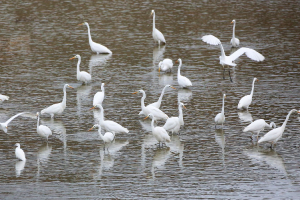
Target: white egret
[
  {"x": 274, "y": 135},
  {"x": 107, "y": 138},
  {"x": 96, "y": 47},
  {"x": 182, "y": 80},
  {"x": 157, "y": 113},
  {"x": 173, "y": 123},
  {"x": 3, "y": 98},
  {"x": 245, "y": 101},
  {"x": 99, "y": 96},
  {"x": 157, "y": 35},
  {"x": 82, "y": 75},
  {"x": 235, "y": 42},
  {"x": 5, "y": 124},
  {"x": 220, "y": 118},
  {"x": 160, "y": 134},
  {"x": 109, "y": 125},
  {"x": 57, "y": 108},
  {"x": 42, "y": 130},
  {"x": 158, "y": 103},
  {"x": 166, "y": 65},
  {"x": 229, "y": 60},
  {"x": 19, "y": 152},
  {"x": 257, "y": 126}
]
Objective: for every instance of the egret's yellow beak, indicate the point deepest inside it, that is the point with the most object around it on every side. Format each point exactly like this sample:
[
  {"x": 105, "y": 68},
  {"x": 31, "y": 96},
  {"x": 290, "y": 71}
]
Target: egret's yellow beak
[
  {"x": 176, "y": 61},
  {"x": 80, "y": 24},
  {"x": 146, "y": 117},
  {"x": 92, "y": 108},
  {"x": 135, "y": 93},
  {"x": 184, "y": 107},
  {"x": 91, "y": 129},
  {"x": 231, "y": 22},
  {"x": 72, "y": 58},
  {"x": 298, "y": 112},
  {"x": 173, "y": 88},
  {"x": 159, "y": 69},
  {"x": 70, "y": 87},
  {"x": 257, "y": 80}
]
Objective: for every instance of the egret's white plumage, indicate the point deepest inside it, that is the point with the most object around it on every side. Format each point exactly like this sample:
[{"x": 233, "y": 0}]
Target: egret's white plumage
[
  {"x": 228, "y": 60},
  {"x": 82, "y": 75},
  {"x": 157, "y": 35},
  {"x": 109, "y": 125},
  {"x": 246, "y": 100},
  {"x": 257, "y": 126},
  {"x": 158, "y": 103},
  {"x": 42, "y": 130},
  {"x": 57, "y": 108},
  {"x": 173, "y": 123},
  {"x": 3, "y": 98},
  {"x": 19, "y": 152},
  {"x": 99, "y": 96},
  {"x": 166, "y": 65},
  {"x": 220, "y": 118},
  {"x": 157, "y": 113},
  {"x": 182, "y": 80},
  {"x": 160, "y": 134},
  {"x": 274, "y": 135},
  {"x": 96, "y": 47},
  {"x": 5, "y": 124},
  {"x": 108, "y": 137},
  {"x": 235, "y": 42}
]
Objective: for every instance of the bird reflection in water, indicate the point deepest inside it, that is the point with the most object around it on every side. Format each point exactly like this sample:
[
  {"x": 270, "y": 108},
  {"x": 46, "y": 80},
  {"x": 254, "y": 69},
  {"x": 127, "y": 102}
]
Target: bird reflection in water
[
  {"x": 43, "y": 156},
  {"x": 98, "y": 60},
  {"x": 245, "y": 116},
  {"x": 107, "y": 157},
  {"x": 83, "y": 95},
  {"x": 220, "y": 139},
  {"x": 165, "y": 79},
  {"x": 184, "y": 95},
  {"x": 260, "y": 156},
  {"x": 158, "y": 55},
  {"x": 159, "y": 159},
  {"x": 19, "y": 166}
]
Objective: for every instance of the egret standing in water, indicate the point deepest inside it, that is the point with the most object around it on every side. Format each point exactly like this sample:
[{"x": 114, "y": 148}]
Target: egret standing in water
[
  {"x": 166, "y": 65},
  {"x": 257, "y": 126},
  {"x": 229, "y": 60},
  {"x": 183, "y": 81},
  {"x": 42, "y": 130},
  {"x": 160, "y": 134},
  {"x": 98, "y": 48},
  {"x": 245, "y": 101},
  {"x": 107, "y": 138},
  {"x": 235, "y": 42},
  {"x": 157, "y": 35},
  {"x": 82, "y": 75},
  {"x": 99, "y": 96},
  {"x": 274, "y": 135},
  {"x": 173, "y": 123},
  {"x": 220, "y": 118},
  {"x": 57, "y": 108},
  {"x": 19, "y": 152},
  {"x": 5, "y": 124}
]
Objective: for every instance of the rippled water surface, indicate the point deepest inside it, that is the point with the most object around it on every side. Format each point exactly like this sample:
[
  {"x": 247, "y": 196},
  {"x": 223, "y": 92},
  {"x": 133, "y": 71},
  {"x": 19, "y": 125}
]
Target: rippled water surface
[{"x": 37, "y": 40}]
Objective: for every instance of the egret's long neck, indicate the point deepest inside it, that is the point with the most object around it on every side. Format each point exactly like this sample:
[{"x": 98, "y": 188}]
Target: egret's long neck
[
  {"x": 161, "y": 96},
  {"x": 101, "y": 114},
  {"x": 223, "y": 105},
  {"x": 152, "y": 124},
  {"x": 65, "y": 96},
  {"x": 89, "y": 32},
  {"x": 102, "y": 88},
  {"x": 233, "y": 30},
  {"x": 143, "y": 100},
  {"x": 222, "y": 51},
  {"x": 180, "y": 115},
  {"x": 78, "y": 65},
  {"x": 180, "y": 63},
  {"x": 38, "y": 122},
  {"x": 99, "y": 131},
  {"x": 252, "y": 88},
  {"x": 286, "y": 119},
  {"x": 153, "y": 21}
]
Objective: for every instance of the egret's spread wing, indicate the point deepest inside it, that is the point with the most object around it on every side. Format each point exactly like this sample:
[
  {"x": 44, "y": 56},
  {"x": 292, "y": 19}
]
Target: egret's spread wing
[
  {"x": 250, "y": 53},
  {"x": 13, "y": 117},
  {"x": 210, "y": 39}
]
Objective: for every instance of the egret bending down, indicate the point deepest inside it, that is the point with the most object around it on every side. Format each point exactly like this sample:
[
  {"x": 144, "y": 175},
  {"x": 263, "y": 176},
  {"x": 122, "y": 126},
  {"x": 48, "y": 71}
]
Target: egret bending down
[
  {"x": 57, "y": 108},
  {"x": 5, "y": 124},
  {"x": 274, "y": 135},
  {"x": 220, "y": 118},
  {"x": 19, "y": 152},
  {"x": 107, "y": 138},
  {"x": 157, "y": 35},
  {"x": 173, "y": 124},
  {"x": 245, "y": 101},
  {"x": 166, "y": 65},
  {"x": 257, "y": 126},
  {"x": 3, "y": 98},
  {"x": 43, "y": 131},
  {"x": 96, "y": 47},
  {"x": 160, "y": 134},
  {"x": 235, "y": 42},
  {"x": 81, "y": 75}
]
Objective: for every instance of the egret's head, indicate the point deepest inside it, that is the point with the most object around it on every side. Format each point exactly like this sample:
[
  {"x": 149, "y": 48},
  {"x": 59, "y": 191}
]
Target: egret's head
[
  {"x": 224, "y": 95},
  {"x": 182, "y": 105},
  {"x": 67, "y": 85},
  {"x": 77, "y": 56},
  {"x": 233, "y": 21},
  {"x": 179, "y": 60},
  {"x": 17, "y": 144},
  {"x": 152, "y": 12},
  {"x": 255, "y": 79},
  {"x": 95, "y": 126},
  {"x": 150, "y": 115},
  {"x": 170, "y": 86},
  {"x": 84, "y": 23},
  {"x": 140, "y": 91}
]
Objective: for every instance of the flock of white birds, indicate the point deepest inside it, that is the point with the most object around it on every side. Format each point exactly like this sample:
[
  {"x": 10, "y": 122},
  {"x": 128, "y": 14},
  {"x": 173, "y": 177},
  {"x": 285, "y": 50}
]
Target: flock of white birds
[{"x": 152, "y": 111}]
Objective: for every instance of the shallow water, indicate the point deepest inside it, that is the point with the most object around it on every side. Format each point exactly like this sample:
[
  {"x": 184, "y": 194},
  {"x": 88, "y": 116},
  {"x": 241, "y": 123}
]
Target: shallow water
[{"x": 37, "y": 40}]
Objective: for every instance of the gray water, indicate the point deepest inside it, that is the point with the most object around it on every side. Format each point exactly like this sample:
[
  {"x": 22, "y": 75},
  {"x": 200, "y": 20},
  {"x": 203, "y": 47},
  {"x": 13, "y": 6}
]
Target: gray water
[{"x": 37, "y": 40}]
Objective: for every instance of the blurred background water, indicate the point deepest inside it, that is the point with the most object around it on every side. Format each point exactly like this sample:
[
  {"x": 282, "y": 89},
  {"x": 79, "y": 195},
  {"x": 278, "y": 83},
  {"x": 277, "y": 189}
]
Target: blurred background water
[{"x": 39, "y": 37}]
